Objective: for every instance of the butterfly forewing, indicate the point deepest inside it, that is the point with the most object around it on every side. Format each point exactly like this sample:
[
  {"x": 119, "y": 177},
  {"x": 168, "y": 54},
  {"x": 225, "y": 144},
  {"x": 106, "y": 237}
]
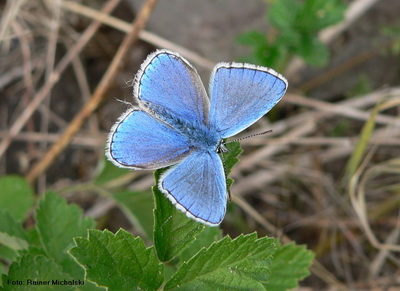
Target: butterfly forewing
[
  {"x": 167, "y": 82},
  {"x": 241, "y": 94}
]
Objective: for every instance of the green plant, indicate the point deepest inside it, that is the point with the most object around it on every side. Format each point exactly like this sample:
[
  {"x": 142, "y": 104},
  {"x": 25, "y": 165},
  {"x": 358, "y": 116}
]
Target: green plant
[
  {"x": 296, "y": 24},
  {"x": 62, "y": 249}
]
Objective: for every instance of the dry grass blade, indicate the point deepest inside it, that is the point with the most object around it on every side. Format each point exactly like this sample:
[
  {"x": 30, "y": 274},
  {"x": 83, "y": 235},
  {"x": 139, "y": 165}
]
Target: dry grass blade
[
  {"x": 365, "y": 136},
  {"x": 359, "y": 175},
  {"x": 339, "y": 109},
  {"x": 97, "y": 97},
  {"x": 144, "y": 35},
  {"x": 378, "y": 263},
  {"x": 357, "y": 9},
  {"x": 357, "y": 189},
  {"x": 52, "y": 80},
  {"x": 11, "y": 10},
  {"x": 304, "y": 124},
  {"x": 332, "y": 141},
  {"x": 84, "y": 141}
]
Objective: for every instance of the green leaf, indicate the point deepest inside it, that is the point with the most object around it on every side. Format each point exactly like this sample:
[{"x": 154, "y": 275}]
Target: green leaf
[
  {"x": 290, "y": 40},
  {"x": 296, "y": 24},
  {"x": 57, "y": 224},
  {"x": 202, "y": 240},
  {"x": 231, "y": 157},
  {"x": 290, "y": 264},
  {"x": 173, "y": 230},
  {"x": 252, "y": 38},
  {"x": 12, "y": 242},
  {"x": 118, "y": 262},
  {"x": 15, "y": 238},
  {"x": 10, "y": 226},
  {"x": 16, "y": 196},
  {"x": 33, "y": 238},
  {"x": 264, "y": 54},
  {"x": 282, "y": 14},
  {"x": 138, "y": 208},
  {"x": 7, "y": 255},
  {"x": 228, "y": 264},
  {"x": 318, "y": 14},
  {"x": 313, "y": 51},
  {"x": 34, "y": 269},
  {"x": 12, "y": 236}
]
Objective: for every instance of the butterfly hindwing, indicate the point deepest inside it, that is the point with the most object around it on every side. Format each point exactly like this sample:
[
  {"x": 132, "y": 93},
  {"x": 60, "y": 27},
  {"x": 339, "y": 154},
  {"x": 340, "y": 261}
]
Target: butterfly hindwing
[{"x": 197, "y": 186}]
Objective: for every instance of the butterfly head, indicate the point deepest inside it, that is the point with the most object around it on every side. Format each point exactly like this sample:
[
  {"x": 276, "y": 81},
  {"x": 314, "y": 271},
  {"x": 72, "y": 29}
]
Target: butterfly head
[{"x": 221, "y": 147}]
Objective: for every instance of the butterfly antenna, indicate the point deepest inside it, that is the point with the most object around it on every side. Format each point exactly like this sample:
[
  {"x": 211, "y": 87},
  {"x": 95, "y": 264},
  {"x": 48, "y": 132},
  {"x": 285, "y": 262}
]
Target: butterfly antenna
[
  {"x": 249, "y": 136},
  {"x": 222, "y": 149}
]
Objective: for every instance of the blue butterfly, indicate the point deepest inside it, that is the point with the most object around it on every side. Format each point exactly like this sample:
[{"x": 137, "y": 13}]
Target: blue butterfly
[{"x": 176, "y": 124}]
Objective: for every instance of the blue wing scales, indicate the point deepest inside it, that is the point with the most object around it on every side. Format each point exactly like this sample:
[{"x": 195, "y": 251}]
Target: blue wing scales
[
  {"x": 168, "y": 82},
  {"x": 140, "y": 141},
  {"x": 241, "y": 94},
  {"x": 197, "y": 187}
]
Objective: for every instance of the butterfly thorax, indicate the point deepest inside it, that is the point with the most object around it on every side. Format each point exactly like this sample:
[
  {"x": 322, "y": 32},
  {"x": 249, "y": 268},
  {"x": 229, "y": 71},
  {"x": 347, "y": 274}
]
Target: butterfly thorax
[{"x": 200, "y": 136}]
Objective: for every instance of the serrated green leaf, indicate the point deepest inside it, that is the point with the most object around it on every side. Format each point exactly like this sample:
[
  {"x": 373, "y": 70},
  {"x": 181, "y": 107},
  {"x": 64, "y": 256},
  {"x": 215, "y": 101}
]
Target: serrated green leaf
[
  {"x": 228, "y": 264},
  {"x": 10, "y": 226},
  {"x": 57, "y": 224},
  {"x": 33, "y": 269},
  {"x": 16, "y": 196},
  {"x": 33, "y": 238},
  {"x": 173, "y": 230},
  {"x": 290, "y": 264},
  {"x": 138, "y": 208},
  {"x": 14, "y": 236},
  {"x": 118, "y": 262},
  {"x": 202, "y": 240},
  {"x": 232, "y": 157}
]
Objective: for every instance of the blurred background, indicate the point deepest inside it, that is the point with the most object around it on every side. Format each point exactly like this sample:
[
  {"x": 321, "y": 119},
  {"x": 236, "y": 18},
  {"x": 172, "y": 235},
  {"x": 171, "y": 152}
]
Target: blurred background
[{"x": 328, "y": 175}]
